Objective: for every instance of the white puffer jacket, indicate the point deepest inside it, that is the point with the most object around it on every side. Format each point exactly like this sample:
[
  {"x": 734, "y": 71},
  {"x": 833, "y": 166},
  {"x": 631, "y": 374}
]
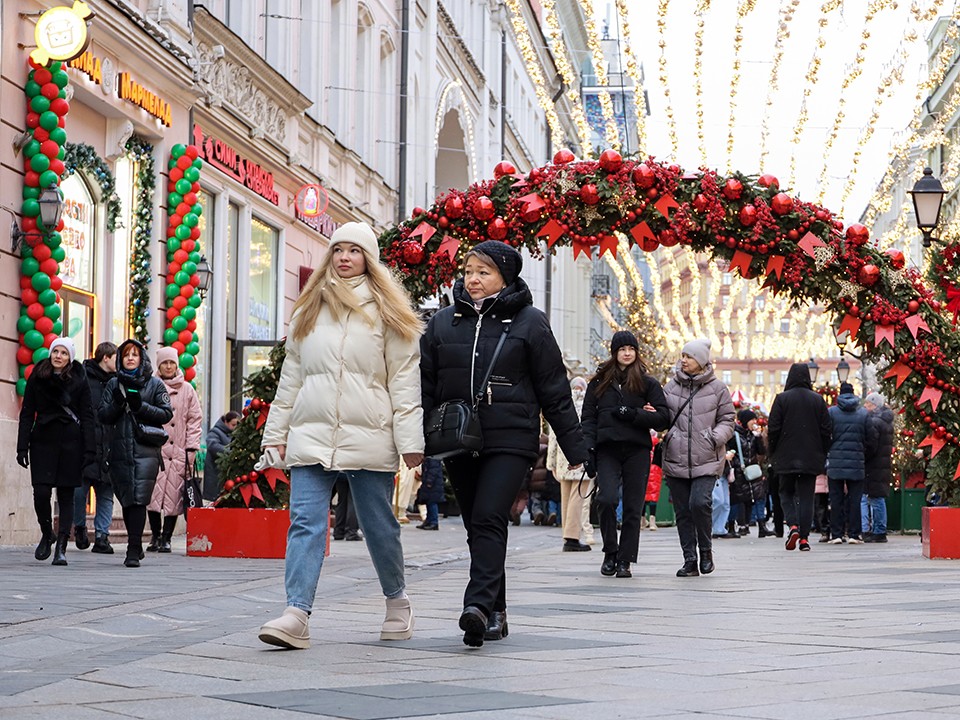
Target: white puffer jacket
[{"x": 349, "y": 395}]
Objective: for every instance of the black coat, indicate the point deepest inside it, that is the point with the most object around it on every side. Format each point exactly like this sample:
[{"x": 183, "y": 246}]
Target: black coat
[
  {"x": 752, "y": 446},
  {"x": 98, "y": 472},
  {"x": 799, "y": 431},
  {"x": 879, "y": 460},
  {"x": 431, "y": 482},
  {"x": 845, "y": 461},
  {"x": 218, "y": 438},
  {"x": 602, "y": 424},
  {"x": 529, "y": 375},
  {"x": 60, "y": 445},
  {"x": 134, "y": 467}
]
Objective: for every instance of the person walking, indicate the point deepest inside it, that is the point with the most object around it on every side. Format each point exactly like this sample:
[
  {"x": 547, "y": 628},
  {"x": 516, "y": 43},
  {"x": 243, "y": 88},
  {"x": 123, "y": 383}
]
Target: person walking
[
  {"x": 431, "y": 492},
  {"x": 184, "y": 430},
  {"x": 573, "y": 492},
  {"x": 878, "y": 468},
  {"x": 56, "y": 441},
  {"x": 132, "y": 400},
  {"x": 702, "y": 419},
  {"x": 492, "y": 303},
  {"x": 799, "y": 432},
  {"x": 654, "y": 483},
  {"x": 98, "y": 369},
  {"x": 622, "y": 405},
  {"x": 347, "y": 406},
  {"x": 846, "y": 466},
  {"x": 748, "y": 447},
  {"x": 218, "y": 438}
]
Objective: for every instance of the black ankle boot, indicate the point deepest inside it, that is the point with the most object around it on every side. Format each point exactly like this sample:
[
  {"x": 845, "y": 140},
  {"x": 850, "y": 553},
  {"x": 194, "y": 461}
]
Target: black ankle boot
[
  {"x": 154, "y": 545},
  {"x": 169, "y": 524},
  {"x": 689, "y": 569},
  {"x": 609, "y": 566},
  {"x": 706, "y": 563},
  {"x": 497, "y": 628},
  {"x": 80, "y": 537},
  {"x": 101, "y": 544},
  {"x": 60, "y": 552},
  {"x": 47, "y": 539}
]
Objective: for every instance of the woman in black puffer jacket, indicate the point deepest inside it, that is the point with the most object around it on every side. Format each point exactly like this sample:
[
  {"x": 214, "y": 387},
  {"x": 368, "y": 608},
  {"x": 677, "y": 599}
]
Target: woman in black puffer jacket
[
  {"x": 529, "y": 375},
  {"x": 134, "y": 396},
  {"x": 622, "y": 405}
]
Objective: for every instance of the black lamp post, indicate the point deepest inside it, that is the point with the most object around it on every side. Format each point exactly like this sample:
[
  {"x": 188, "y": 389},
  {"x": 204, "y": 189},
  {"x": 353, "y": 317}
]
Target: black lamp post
[
  {"x": 51, "y": 210},
  {"x": 843, "y": 369},
  {"x": 205, "y": 275},
  {"x": 927, "y": 200},
  {"x": 813, "y": 369}
]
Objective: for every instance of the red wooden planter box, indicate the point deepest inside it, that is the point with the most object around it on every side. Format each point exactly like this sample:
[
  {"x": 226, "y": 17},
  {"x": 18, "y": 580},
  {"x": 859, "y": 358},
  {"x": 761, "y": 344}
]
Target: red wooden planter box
[
  {"x": 940, "y": 532},
  {"x": 237, "y": 532}
]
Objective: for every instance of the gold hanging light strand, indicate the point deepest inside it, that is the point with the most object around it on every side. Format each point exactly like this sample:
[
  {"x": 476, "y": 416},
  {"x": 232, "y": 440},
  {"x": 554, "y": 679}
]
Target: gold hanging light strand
[
  {"x": 532, "y": 61},
  {"x": 787, "y": 10},
  {"x": 570, "y": 76},
  {"x": 702, "y": 8},
  {"x": 851, "y": 73},
  {"x": 670, "y": 334},
  {"x": 744, "y": 7},
  {"x": 635, "y": 74},
  {"x": 612, "y": 134},
  {"x": 663, "y": 76}
]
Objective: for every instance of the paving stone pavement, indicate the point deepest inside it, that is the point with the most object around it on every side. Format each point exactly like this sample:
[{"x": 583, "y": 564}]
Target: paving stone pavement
[{"x": 867, "y": 631}]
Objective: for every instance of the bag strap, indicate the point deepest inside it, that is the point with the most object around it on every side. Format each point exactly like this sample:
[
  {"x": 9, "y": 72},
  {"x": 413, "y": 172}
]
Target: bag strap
[
  {"x": 592, "y": 492},
  {"x": 493, "y": 361},
  {"x": 739, "y": 449},
  {"x": 684, "y": 406}
]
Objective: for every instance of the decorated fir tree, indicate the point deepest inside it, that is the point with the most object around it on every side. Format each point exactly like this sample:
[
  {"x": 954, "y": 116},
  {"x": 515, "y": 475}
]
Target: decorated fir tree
[{"x": 241, "y": 485}]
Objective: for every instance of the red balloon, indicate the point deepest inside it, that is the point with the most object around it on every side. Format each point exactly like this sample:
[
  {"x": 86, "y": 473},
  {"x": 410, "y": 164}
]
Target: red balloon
[
  {"x": 183, "y": 209},
  {"x": 183, "y": 162},
  {"x": 857, "y": 234},
  {"x": 453, "y": 207},
  {"x": 503, "y": 168},
  {"x": 56, "y": 283},
  {"x": 172, "y": 269},
  {"x": 60, "y": 106},
  {"x": 179, "y": 303},
  {"x": 188, "y": 245},
  {"x": 175, "y": 220},
  {"x": 189, "y": 374},
  {"x": 41, "y": 135},
  {"x": 497, "y": 229},
  {"x": 483, "y": 208},
  {"x": 34, "y": 311},
  {"x": 781, "y": 203},
  {"x": 589, "y": 194},
  {"x": 179, "y": 347},
  {"x": 49, "y": 148},
  {"x": 31, "y": 179},
  {"x": 175, "y": 174},
  {"x": 195, "y": 233},
  {"x": 748, "y": 215},
  {"x": 56, "y": 164},
  {"x": 25, "y": 282},
  {"x": 48, "y": 338},
  {"x": 41, "y": 252},
  {"x": 611, "y": 160},
  {"x": 33, "y": 120},
  {"x": 868, "y": 275},
  {"x": 644, "y": 176},
  {"x": 896, "y": 258},
  {"x": 172, "y": 312},
  {"x": 171, "y": 231},
  {"x": 181, "y": 256},
  {"x": 49, "y": 266},
  {"x": 28, "y": 370},
  {"x": 190, "y": 199},
  {"x": 50, "y": 90},
  {"x": 192, "y": 152},
  {"x": 44, "y": 325},
  {"x": 563, "y": 156},
  {"x": 24, "y": 355},
  {"x": 186, "y": 337},
  {"x": 192, "y": 326},
  {"x": 187, "y": 291},
  {"x": 29, "y": 296},
  {"x": 195, "y": 280},
  {"x": 42, "y": 76},
  {"x": 732, "y": 189}
]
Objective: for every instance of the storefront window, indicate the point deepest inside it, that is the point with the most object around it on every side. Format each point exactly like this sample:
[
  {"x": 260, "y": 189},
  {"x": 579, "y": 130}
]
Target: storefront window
[
  {"x": 79, "y": 217},
  {"x": 262, "y": 311},
  {"x": 119, "y": 291},
  {"x": 233, "y": 236}
]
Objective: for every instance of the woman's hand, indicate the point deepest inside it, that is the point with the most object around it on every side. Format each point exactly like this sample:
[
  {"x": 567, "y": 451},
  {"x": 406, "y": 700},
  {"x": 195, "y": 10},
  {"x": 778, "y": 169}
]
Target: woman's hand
[
  {"x": 411, "y": 460},
  {"x": 281, "y": 449},
  {"x": 649, "y": 408}
]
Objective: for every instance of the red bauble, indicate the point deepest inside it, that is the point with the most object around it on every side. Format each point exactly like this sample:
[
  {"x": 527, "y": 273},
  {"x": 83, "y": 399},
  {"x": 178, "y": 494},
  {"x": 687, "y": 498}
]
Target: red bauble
[
  {"x": 412, "y": 252},
  {"x": 563, "y": 157},
  {"x": 668, "y": 238},
  {"x": 748, "y": 215},
  {"x": 483, "y": 208},
  {"x": 644, "y": 176},
  {"x": 868, "y": 275},
  {"x": 782, "y": 204},
  {"x": 453, "y": 207},
  {"x": 228, "y": 485},
  {"x": 532, "y": 215},
  {"x": 700, "y": 202},
  {"x": 896, "y": 258},
  {"x": 857, "y": 234},
  {"x": 648, "y": 244},
  {"x": 256, "y": 404},
  {"x": 611, "y": 160},
  {"x": 497, "y": 229},
  {"x": 417, "y": 211},
  {"x": 503, "y": 168},
  {"x": 732, "y": 189},
  {"x": 443, "y": 222},
  {"x": 769, "y": 181},
  {"x": 589, "y": 194},
  {"x": 913, "y": 307}
]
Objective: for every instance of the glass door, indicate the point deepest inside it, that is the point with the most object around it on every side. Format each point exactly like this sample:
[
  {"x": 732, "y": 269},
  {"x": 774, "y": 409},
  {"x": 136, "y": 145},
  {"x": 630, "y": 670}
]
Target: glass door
[
  {"x": 78, "y": 307},
  {"x": 248, "y": 356}
]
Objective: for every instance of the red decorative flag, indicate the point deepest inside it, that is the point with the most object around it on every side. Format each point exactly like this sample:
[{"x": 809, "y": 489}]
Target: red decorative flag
[
  {"x": 248, "y": 490},
  {"x": 533, "y": 201},
  {"x": 262, "y": 417},
  {"x": 664, "y": 204},
  {"x": 424, "y": 231},
  {"x": 898, "y": 370},
  {"x": 521, "y": 181},
  {"x": 935, "y": 443},
  {"x": 849, "y": 324},
  {"x": 552, "y": 230},
  {"x": 771, "y": 284},
  {"x": 775, "y": 265},
  {"x": 274, "y": 476},
  {"x": 640, "y": 231},
  {"x": 931, "y": 394},
  {"x": 581, "y": 247},
  {"x": 883, "y": 332},
  {"x": 916, "y": 323},
  {"x": 957, "y": 474},
  {"x": 809, "y": 243},
  {"x": 449, "y": 245},
  {"x": 608, "y": 242},
  {"x": 741, "y": 261}
]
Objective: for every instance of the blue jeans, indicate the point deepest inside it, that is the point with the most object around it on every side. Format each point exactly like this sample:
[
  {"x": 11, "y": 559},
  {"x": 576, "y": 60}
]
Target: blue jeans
[
  {"x": 433, "y": 514},
  {"x": 104, "y": 493},
  {"x": 721, "y": 509},
  {"x": 310, "y": 491},
  {"x": 874, "y": 509}
]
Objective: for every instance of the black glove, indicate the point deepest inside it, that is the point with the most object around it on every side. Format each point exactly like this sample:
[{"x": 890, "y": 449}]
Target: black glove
[
  {"x": 133, "y": 399},
  {"x": 627, "y": 414},
  {"x": 118, "y": 395},
  {"x": 23, "y": 458},
  {"x": 590, "y": 464}
]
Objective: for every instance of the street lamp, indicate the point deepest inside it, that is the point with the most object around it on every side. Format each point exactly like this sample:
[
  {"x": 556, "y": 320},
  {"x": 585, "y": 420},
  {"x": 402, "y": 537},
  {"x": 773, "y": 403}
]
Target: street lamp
[
  {"x": 927, "y": 200},
  {"x": 205, "y": 275},
  {"x": 813, "y": 369},
  {"x": 51, "y": 209},
  {"x": 843, "y": 369}
]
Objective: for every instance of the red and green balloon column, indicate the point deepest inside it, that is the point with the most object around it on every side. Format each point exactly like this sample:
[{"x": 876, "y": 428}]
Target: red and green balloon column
[
  {"x": 41, "y": 253},
  {"x": 183, "y": 254}
]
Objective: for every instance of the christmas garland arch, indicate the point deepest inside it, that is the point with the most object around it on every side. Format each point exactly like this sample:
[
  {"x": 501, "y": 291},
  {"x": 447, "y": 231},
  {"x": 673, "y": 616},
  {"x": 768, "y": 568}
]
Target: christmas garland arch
[
  {"x": 141, "y": 153},
  {"x": 793, "y": 247}
]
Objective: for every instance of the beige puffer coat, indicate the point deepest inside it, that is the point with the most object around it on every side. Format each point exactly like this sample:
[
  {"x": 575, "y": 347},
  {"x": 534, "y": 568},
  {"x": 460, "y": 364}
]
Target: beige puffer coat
[
  {"x": 185, "y": 430},
  {"x": 349, "y": 395}
]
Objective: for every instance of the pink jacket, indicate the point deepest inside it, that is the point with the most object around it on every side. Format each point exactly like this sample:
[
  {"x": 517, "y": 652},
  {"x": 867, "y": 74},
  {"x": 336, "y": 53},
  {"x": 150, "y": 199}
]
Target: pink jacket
[
  {"x": 821, "y": 486},
  {"x": 185, "y": 430}
]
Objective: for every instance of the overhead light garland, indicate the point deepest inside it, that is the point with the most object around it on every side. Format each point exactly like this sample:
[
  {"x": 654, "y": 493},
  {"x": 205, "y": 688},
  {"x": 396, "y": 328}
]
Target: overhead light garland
[
  {"x": 787, "y": 10},
  {"x": 744, "y": 7},
  {"x": 702, "y": 7},
  {"x": 612, "y": 133},
  {"x": 662, "y": 8},
  {"x": 570, "y": 77},
  {"x": 635, "y": 73}
]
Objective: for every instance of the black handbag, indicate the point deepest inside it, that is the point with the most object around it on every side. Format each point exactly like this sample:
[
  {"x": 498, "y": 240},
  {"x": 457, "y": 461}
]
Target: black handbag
[
  {"x": 192, "y": 489},
  {"x": 748, "y": 483},
  {"x": 149, "y": 435},
  {"x": 453, "y": 428}
]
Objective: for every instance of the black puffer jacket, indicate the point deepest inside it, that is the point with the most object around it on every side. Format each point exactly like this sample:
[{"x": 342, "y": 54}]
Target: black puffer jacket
[
  {"x": 217, "y": 440},
  {"x": 845, "y": 461},
  {"x": 134, "y": 467},
  {"x": 879, "y": 459},
  {"x": 529, "y": 375},
  {"x": 56, "y": 427},
  {"x": 602, "y": 424},
  {"x": 97, "y": 379},
  {"x": 799, "y": 430}
]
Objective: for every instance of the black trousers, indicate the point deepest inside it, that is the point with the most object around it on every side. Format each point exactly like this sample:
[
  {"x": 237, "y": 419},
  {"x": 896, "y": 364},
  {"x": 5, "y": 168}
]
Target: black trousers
[
  {"x": 796, "y": 496},
  {"x": 345, "y": 514},
  {"x": 41, "y": 504},
  {"x": 627, "y": 466},
  {"x": 485, "y": 487},
  {"x": 774, "y": 481},
  {"x": 845, "y": 509},
  {"x": 134, "y": 519},
  {"x": 693, "y": 507}
]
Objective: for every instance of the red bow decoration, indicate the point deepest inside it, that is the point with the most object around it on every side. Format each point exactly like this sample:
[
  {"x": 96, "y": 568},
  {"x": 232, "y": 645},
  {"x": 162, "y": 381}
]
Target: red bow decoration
[
  {"x": 262, "y": 417},
  {"x": 274, "y": 476},
  {"x": 953, "y": 300},
  {"x": 248, "y": 490}
]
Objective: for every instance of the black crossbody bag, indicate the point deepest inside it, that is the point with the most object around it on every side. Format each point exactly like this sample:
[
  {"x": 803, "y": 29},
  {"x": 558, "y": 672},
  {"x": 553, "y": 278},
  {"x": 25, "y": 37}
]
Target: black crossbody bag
[{"x": 453, "y": 428}]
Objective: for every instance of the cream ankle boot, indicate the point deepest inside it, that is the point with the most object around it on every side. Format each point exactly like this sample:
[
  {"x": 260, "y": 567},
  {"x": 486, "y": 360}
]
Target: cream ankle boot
[
  {"x": 398, "y": 623},
  {"x": 291, "y": 630},
  {"x": 652, "y": 525}
]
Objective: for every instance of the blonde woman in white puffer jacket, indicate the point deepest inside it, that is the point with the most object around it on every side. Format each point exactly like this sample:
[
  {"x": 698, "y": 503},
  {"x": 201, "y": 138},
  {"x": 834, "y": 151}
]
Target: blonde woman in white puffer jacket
[{"x": 347, "y": 404}]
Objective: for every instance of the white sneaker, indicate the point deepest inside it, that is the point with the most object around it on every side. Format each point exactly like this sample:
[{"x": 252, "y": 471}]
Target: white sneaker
[
  {"x": 398, "y": 623},
  {"x": 291, "y": 630},
  {"x": 652, "y": 525},
  {"x": 854, "y": 541},
  {"x": 643, "y": 523},
  {"x": 835, "y": 541}
]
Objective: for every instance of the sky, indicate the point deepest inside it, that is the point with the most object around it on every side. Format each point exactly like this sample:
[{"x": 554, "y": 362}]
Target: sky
[{"x": 819, "y": 168}]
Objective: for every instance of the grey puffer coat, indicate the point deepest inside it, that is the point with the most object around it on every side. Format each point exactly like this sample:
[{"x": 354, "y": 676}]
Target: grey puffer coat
[
  {"x": 696, "y": 444},
  {"x": 134, "y": 467},
  {"x": 879, "y": 458}
]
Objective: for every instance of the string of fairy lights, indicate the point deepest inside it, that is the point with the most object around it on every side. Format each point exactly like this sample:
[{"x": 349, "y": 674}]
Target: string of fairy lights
[
  {"x": 569, "y": 75},
  {"x": 662, "y": 7},
  {"x": 702, "y": 7},
  {"x": 635, "y": 73},
  {"x": 787, "y": 11},
  {"x": 600, "y": 70},
  {"x": 744, "y": 7}
]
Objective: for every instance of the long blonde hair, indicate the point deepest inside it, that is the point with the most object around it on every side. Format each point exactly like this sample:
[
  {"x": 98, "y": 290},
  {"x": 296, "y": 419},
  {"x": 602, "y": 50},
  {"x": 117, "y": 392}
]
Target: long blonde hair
[{"x": 325, "y": 287}]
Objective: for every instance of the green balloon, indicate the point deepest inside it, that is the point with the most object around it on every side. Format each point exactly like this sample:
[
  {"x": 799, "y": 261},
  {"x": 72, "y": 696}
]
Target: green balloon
[
  {"x": 61, "y": 79},
  {"x": 52, "y": 311},
  {"x": 182, "y": 232},
  {"x": 190, "y": 313},
  {"x": 173, "y": 244},
  {"x": 21, "y": 387},
  {"x": 58, "y": 254},
  {"x": 31, "y": 148},
  {"x": 31, "y": 193},
  {"x": 194, "y": 300},
  {"x": 48, "y": 298},
  {"x": 58, "y": 328},
  {"x": 197, "y": 163},
  {"x": 189, "y": 267},
  {"x": 197, "y": 209},
  {"x": 177, "y": 150},
  {"x": 181, "y": 279},
  {"x": 194, "y": 257},
  {"x": 172, "y": 291},
  {"x": 55, "y": 65},
  {"x": 183, "y": 186},
  {"x": 59, "y": 136},
  {"x": 53, "y": 240},
  {"x": 187, "y": 361},
  {"x": 24, "y": 324},
  {"x": 33, "y": 339},
  {"x": 49, "y": 121},
  {"x": 26, "y": 251},
  {"x": 32, "y": 88},
  {"x": 39, "y": 163},
  {"x": 48, "y": 178},
  {"x": 76, "y": 325},
  {"x": 40, "y": 353},
  {"x": 40, "y": 281},
  {"x": 39, "y": 104},
  {"x": 179, "y": 323},
  {"x": 174, "y": 199},
  {"x": 29, "y": 266},
  {"x": 61, "y": 153},
  {"x": 169, "y": 336},
  {"x": 193, "y": 348},
  {"x": 191, "y": 174},
  {"x": 191, "y": 220},
  {"x": 30, "y": 208}
]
